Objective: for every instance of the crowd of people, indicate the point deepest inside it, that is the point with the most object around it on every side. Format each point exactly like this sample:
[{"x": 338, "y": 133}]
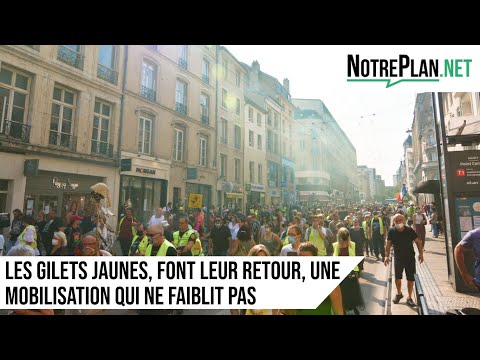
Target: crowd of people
[{"x": 319, "y": 230}]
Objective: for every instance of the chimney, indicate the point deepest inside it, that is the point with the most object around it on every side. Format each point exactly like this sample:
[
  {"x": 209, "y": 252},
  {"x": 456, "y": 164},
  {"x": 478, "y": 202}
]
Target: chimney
[
  {"x": 255, "y": 69},
  {"x": 286, "y": 84}
]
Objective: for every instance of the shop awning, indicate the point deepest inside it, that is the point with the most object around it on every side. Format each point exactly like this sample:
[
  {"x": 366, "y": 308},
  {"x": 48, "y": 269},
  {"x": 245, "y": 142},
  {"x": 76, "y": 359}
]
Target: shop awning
[
  {"x": 234, "y": 195},
  {"x": 428, "y": 187}
]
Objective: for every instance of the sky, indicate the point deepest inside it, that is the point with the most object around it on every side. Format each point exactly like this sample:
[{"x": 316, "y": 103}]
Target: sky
[{"x": 320, "y": 72}]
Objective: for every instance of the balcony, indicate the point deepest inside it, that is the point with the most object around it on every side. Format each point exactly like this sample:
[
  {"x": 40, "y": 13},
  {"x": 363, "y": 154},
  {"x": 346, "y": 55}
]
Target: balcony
[
  {"x": 62, "y": 140},
  {"x": 181, "y": 108},
  {"x": 205, "y": 78},
  {"x": 70, "y": 57},
  {"x": 148, "y": 93},
  {"x": 205, "y": 119},
  {"x": 183, "y": 63},
  {"x": 16, "y": 130},
  {"x": 107, "y": 74},
  {"x": 102, "y": 149}
]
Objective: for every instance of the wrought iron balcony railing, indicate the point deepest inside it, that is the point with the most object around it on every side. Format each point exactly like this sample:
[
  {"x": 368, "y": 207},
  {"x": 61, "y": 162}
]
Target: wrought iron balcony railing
[
  {"x": 16, "y": 130},
  {"x": 147, "y": 93},
  {"x": 181, "y": 108},
  {"x": 70, "y": 57},
  {"x": 182, "y": 63},
  {"x": 102, "y": 148},
  {"x": 62, "y": 140},
  {"x": 107, "y": 74}
]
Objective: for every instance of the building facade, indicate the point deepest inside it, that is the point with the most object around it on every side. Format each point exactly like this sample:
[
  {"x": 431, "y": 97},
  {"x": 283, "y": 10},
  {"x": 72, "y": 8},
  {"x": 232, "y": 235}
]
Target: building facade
[{"x": 60, "y": 109}]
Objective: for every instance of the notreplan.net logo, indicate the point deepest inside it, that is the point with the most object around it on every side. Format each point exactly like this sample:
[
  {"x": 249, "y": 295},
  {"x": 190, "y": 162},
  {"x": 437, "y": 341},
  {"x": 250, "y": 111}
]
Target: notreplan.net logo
[{"x": 405, "y": 69}]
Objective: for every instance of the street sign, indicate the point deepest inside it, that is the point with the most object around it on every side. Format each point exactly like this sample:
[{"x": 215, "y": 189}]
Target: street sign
[
  {"x": 191, "y": 173},
  {"x": 126, "y": 165},
  {"x": 466, "y": 168}
]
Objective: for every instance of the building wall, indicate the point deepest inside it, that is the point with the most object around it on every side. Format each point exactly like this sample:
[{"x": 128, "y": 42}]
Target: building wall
[{"x": 45, "y": 71}]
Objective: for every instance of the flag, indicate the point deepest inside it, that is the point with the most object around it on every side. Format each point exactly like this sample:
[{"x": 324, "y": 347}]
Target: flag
[
  {"x": 404, "y": 191},
  {"x": 399, "y": 197}
]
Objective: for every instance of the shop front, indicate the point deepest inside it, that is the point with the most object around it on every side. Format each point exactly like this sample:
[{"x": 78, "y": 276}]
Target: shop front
[
  {"x": 62, "y": 192},
  {"x": 231, "y": 194},
  {"x": 143, "y": 187},
  {"x": 255, "y": 194}
]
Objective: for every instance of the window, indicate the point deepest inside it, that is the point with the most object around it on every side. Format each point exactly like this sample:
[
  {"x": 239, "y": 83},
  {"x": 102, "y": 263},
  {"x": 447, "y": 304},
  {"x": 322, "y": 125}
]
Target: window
[
  {"x": 237, "y": 108},
  {"x": 466, "y": 104},
  {"x": 302, "y": 145},
  {"x": 71, "y": 55},
  {"x": 275, "y": 143},
  {"x": 272, "y": 174},
  {"x": 107, "y": 63},
  {"x": 61, "y": 120},
  {"x": 101, "y": 129},
  {"x": 223, "y": 132},
  {"x": 145, "y": 134},
  {"x": 204, "y": 108},
  {"x": 269, "y": 117},
  {"x": 14, "y": 91},
  {"x": 260, "y": 180},
  {"x": 149, "y": 81},
  {"x": 237, "y": 78},
  {"x": 259, "y": 142},
  {"x": 250, "y": 114},
  {"x": 237, "y": 169},
  {"x": 316, "y": 163},
  {"x": 251, "y": 138},
  {"x": 284, "y": 149},
  {"x": 182, "y": 56},
  {"x": 252, "y": 172},
  {"x": 206, "y": 71},
  {"x": 224, "y": 69},
  {"x": 238, "y": 138},
  {"x": 283, "y": 125},
  {"x": 430, "y": 139},
  {"x": 223, "y": 165},
  {"x": 275, "y": 123},
  {"x": 269, "y": 140},
  {"x": 178, "y": 135},
  {"x": 202, "y": 161},
  {"x": 432, "y": 156},
  {"x": 259, "y": 119},
  {"x": 181, "y": 97},
  {"x": 224, "y": 98}
]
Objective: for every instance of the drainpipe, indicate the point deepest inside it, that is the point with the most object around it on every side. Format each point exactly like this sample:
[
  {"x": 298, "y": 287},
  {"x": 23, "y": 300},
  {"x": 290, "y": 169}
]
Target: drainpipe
[
  {"x": 216, "y": 121},
  {"x": 122, "y": 105}
]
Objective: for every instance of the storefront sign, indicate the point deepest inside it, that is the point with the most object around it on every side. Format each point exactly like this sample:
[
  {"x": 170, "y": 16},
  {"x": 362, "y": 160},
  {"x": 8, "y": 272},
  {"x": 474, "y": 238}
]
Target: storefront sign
[
  {"x": 63, "y": 185},
  {"x": 145, "y": 171},
  {"x": 466, "y": 165},
  {"x": 255, "y": 187}
]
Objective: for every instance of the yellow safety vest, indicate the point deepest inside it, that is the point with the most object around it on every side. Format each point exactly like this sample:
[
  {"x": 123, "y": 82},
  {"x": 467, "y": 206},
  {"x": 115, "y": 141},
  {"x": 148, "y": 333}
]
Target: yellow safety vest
[
  {"x": 351, "y": 251},
  {"x": 142, "y": 247},
  {"x": 134, "y": 231},
  {"x": 163, "y": 248},
  {"x": 381, "y": 225},
  {"x": 317, "y": 240},
  {"x": 364, "y": 226},
  {"x": 196, "y": 249},
  {"x": 33, "y": 244}
]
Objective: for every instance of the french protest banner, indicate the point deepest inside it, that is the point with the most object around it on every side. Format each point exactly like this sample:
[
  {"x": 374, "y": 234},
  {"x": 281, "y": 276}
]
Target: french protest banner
[{"x": 169, "y": 282}]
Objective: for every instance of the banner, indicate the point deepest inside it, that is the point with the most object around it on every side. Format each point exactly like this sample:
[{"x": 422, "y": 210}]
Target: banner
[{"x": 195, "y": 201}]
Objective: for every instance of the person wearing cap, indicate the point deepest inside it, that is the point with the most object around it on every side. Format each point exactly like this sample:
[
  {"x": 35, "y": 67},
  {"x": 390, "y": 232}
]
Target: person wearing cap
[
  {"x": 378, "y": 231},
  {"x": 29, "y": 235},
  {"x": 73, "y": 233},
  {"x": 59, "y": 243}
]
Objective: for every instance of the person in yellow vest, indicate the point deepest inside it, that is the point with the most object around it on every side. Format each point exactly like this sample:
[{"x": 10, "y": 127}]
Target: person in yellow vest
[
  {"x": 368, "y": 235},
  {"x": 158, "y": 246},
  {"x": 319, "y": 235},
  {"x": 352, "y": 298},
  {"x": 126, "y": 231},
  {"x": 186, "y": 240},
  {"x": 139, "y": 242},
  {"x": 378, "y": 231},
  {"x": 29, "y": 235}
]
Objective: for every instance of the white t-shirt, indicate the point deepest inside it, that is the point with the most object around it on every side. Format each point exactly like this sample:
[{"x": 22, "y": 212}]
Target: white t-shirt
[
  {"x": 233, "y": 230},
  {"x": 418, "y": 219},
  {"x": 287, "y": 249},
  {"x": 154, "y": 220}
]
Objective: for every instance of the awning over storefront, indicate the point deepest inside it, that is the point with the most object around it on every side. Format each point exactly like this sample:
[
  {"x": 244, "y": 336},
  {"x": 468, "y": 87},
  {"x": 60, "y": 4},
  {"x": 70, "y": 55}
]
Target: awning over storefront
[
  {"x": 234, "y": 195},
  {"x": 428, "y": 187}
]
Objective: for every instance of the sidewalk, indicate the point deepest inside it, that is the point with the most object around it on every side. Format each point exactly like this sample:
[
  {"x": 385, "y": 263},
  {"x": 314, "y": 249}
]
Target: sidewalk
[{"x": 433, "y": 275}]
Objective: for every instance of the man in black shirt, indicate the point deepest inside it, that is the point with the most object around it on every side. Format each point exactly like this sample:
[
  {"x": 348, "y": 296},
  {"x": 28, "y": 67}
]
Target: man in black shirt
[
  {"x": 402, "y": 238},
  {"x": 53, "y": 225},
  {"x": 219, "y": 238}
]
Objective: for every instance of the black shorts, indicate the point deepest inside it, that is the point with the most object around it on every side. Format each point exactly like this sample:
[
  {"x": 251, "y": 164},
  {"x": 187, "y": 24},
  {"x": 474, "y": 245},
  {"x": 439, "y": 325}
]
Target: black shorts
[{"x": 407, "y": 264}]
